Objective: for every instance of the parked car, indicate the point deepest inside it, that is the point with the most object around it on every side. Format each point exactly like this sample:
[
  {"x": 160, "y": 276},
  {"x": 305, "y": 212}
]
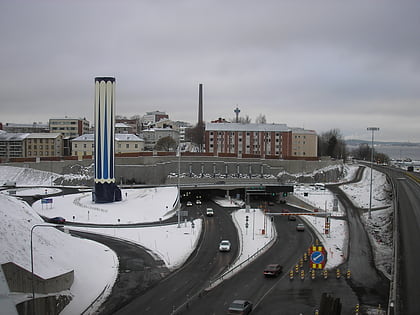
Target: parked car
[
  {"x": 300, "y": 227},
  {"x": 224, "y": 246},
  {"x": 189, "y": 203},
  {"x": 57, "y": 220},
  {"x": 273, "y": 270},
  {"x": 209, "y": 212},
  {"x": 240, "y": 307},
  {"x": 291, "y": 217}
]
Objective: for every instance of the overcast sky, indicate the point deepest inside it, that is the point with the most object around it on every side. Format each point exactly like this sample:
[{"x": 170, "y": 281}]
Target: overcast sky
[{"x": 314, "y": 64}]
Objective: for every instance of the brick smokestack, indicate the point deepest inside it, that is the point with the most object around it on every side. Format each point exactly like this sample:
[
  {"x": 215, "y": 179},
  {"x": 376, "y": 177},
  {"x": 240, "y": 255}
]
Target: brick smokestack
[{"x": 200, "y": 104}]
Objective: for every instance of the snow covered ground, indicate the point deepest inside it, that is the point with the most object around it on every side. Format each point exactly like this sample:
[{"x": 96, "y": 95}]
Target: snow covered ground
[
  {"x": 172, "y": 244},
  {"x": 379, "y": 227},
  {"x": 55, "y": 253}
]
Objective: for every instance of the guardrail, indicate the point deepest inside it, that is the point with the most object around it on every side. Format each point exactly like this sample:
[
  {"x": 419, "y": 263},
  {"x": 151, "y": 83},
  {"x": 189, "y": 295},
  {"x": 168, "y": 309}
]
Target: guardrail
[{"x": 392, "y": 299}]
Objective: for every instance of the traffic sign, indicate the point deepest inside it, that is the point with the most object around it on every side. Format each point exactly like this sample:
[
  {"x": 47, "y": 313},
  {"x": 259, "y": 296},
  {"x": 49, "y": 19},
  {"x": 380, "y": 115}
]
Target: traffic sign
[{"x": 318, "y": 257}]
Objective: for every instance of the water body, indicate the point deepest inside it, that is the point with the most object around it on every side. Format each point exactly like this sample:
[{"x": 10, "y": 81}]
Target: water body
[{"x": 397, "y": 152}]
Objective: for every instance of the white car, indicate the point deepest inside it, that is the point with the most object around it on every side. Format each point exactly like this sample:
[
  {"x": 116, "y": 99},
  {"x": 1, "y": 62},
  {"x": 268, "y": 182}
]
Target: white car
[
  {"x": 224, "y": 246},
  {"x": 209, "y": 212},
  {"x": 198, "y": 202},
  {"x": 189, "y": 204}
]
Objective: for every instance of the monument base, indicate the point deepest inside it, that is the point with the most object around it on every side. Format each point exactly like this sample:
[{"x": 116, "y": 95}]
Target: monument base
[{"x": 104, "y": 193}]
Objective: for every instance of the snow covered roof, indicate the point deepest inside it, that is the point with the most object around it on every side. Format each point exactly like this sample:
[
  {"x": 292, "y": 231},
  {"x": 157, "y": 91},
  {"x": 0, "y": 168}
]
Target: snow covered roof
[
  {"x": 121, "y": 125},
  {"x": 246, "y": 127},
  {"x": 118, "y": 137},
  {"x": 43, "y": 135},
  {"x": 13, "y": 136}
]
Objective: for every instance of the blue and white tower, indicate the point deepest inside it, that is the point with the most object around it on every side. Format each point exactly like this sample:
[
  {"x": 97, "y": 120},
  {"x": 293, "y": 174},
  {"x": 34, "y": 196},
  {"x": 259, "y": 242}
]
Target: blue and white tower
[{"x": 105, "y": 188}]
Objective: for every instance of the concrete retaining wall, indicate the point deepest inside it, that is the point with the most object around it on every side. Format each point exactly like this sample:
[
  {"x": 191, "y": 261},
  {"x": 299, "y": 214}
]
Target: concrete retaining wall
[
  {"x": 20, "y": 280},
  {"x": 154, "y": 170}
]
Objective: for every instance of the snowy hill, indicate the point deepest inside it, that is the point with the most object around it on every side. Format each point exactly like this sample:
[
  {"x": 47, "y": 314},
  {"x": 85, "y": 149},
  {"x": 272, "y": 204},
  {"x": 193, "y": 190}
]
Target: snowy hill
[{"x": 55, "y": 253}]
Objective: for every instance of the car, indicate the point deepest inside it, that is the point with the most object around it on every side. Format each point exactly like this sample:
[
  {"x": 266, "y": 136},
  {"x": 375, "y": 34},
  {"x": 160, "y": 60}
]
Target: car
[
  {"x": 57, "y": 220},
  {"x": 189, "y": 203},
  {"x": 282, "y": 201},
  {"x": 270, "y": 203},
  {"x": 224, "y": 246},
  {"x": 273, "y": 270},
  {"x": 198, "y": 202},
  {"x": 209, "y": 212},
  {"x": 240, "y": 307},
  {"x": 300, "y": 227},
  {"x": 291, "y": 217}
]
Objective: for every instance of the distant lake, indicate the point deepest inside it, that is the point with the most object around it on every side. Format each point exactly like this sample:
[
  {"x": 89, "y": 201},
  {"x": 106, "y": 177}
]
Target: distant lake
[{"x": 396, "y": 152}]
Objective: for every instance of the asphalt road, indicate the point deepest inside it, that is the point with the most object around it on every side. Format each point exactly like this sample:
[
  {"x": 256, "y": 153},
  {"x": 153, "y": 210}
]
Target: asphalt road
[
  {"x": 204, "y": 264},
  {"x": 138, "y": 271},
  {"x": 408, "y": 278},
  {"x": 277, "y": 295}
]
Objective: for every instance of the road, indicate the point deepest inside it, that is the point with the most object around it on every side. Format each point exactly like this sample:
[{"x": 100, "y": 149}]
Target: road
[
  {"x": 204, "y": 264},
  {"x": 138, "y": 270},
  {"x": 276, "y": 295},
  {"x": 408, "y": 277}
]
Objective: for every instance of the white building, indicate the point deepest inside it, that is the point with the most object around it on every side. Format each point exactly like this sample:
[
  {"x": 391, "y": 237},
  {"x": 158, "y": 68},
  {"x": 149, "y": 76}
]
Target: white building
[{"x": 124, "y": 143}]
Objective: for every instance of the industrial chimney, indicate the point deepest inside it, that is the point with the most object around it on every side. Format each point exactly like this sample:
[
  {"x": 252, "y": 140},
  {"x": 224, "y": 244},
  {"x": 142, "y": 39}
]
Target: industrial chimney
[{"x": 200, "y": 104}]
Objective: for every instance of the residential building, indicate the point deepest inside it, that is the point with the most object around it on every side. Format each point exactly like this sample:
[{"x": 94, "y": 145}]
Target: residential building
[
  {"x": 152, "y": 136},
  {"x": 124, "y": 143},
  {"x": 179, "y": 126},
  {"x": 152, "y": 117},
  {"x": 44, "y": 145},
  {"x": 123, "y": 128},
  {"x": 12, "y": 145},
  {"x": 304, "y": 143},
  {"x": 134, "y": 124},
  {"x": 69, "y": 127},
  {"x": 25, "y": 128},
  {"x": 259, "y": 140}
]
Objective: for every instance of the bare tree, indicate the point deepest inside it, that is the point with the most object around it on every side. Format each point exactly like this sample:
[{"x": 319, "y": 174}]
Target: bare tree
[
  {"x": 261, "y": 119},
  {"x": 166, "y": 144},
  {"x": 331, "y": 143},
  {"x": 196, "y": 135}
]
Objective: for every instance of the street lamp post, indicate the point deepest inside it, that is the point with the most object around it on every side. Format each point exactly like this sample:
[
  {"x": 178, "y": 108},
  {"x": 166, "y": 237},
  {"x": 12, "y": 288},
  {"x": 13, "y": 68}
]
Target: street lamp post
[
  {"x": 32, "y": 260},
  {"x": 179, "y": 184},
  {"x": 373, "y": 129}
]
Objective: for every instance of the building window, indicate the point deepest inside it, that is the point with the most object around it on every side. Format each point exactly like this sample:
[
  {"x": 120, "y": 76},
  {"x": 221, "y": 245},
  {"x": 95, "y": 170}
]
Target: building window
[{"x": 127, "y": 146}]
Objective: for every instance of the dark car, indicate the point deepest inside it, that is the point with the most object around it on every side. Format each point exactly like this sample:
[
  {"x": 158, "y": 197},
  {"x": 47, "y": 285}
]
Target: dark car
[
  {"x": 58, "y": 220},
  {"x": 273, "y": 270},
  {"x": 300, "y": 227},
  {"x": 291, "y": 217},
  {"x": 240, "y": 307}
]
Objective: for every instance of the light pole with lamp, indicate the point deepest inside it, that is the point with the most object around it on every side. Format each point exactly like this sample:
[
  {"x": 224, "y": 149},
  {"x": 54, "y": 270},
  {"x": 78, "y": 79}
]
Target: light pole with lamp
[
  {"x": 179, "y": 184},
  {"x": 32, "y": 260},
  {"x": 373, "y": 129}
]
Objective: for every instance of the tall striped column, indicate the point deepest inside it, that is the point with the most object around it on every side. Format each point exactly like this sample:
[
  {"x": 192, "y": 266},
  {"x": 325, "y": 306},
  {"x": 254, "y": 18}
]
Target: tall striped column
[{"x": 105, "y": 187}]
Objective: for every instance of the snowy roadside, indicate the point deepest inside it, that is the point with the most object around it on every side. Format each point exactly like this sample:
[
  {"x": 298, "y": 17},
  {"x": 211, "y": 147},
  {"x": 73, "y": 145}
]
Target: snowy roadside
[{"x": 379, "y": 227}]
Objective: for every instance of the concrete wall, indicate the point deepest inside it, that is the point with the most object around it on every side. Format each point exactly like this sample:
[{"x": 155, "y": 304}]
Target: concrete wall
[
  {"x": 47, "y": 305},
  {"x": 20, "y": 280},
  {"x": 154, "y": 170}
]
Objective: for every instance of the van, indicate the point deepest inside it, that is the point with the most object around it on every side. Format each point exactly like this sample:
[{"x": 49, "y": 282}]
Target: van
[{"x": 209, "y": 212}]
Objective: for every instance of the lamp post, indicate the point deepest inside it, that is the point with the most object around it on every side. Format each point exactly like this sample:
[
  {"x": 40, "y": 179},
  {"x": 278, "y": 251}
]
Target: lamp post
[
  {"x": 373, "y": 129},
  {"x": 32, "y": 260},
  {"x": 179, "y": 184}
]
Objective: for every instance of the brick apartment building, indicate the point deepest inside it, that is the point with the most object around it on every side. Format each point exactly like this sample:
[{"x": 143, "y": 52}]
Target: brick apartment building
[{"x": 277, "y": 141}]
